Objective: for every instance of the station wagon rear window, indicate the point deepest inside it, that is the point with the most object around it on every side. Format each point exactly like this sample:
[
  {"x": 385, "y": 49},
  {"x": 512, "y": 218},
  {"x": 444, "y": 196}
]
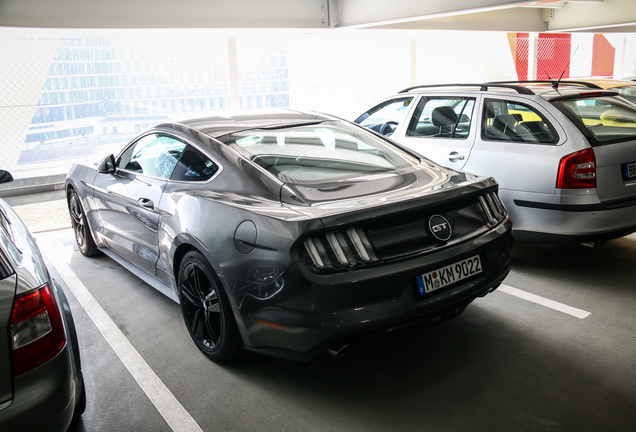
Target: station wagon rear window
[
  {"x": 318, "y": 153},
  {"x": 604, "y": 119}
]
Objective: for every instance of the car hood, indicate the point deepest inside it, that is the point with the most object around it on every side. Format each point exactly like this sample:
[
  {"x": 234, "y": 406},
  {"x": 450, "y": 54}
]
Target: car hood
[{"x": 421, "y": 183}]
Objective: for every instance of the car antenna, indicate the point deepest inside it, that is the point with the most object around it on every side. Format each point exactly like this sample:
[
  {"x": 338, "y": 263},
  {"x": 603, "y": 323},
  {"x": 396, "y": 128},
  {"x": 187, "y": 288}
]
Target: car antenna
[
  {"x": 556, "y": 84},
  {"x": 546, "y": 73}
]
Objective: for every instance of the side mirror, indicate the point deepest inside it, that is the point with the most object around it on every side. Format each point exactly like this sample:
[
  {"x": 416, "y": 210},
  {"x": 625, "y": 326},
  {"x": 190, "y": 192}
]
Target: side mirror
[
  {"x": 5, "y": 176},
  {"x": 107, "y": 165}
]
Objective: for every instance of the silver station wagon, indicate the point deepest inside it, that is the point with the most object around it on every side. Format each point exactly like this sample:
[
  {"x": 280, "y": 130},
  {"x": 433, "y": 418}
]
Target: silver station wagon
[{"x": 564, "y": 155}]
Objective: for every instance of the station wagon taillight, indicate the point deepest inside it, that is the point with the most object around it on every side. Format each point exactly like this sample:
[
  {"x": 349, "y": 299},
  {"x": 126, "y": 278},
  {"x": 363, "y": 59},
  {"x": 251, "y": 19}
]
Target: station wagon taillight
[
  {"x": 36, "y": 329},
  {"x": 577, "y": 171}
]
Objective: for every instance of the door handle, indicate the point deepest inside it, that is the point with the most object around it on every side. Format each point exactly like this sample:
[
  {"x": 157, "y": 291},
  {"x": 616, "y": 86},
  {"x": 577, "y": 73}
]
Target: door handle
[
  {"x": 454, "y": 157},
  {"x": 146, "y": 203}
]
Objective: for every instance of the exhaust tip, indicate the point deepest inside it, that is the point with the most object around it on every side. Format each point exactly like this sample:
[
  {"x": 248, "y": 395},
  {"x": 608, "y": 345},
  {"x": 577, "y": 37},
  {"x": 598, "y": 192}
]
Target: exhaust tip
[{"x": 339, "y": 351}]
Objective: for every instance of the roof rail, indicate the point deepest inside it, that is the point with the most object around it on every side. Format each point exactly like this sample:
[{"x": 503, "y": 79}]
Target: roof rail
[
  {"x": 553, "y": 83},
  {"x": 482, "y": 87}
]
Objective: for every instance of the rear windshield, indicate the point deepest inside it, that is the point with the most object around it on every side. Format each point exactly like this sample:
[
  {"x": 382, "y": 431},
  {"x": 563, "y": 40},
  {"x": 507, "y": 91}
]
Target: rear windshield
[
  {"x": 320, "y": 152},
  {"x": 604, "y": 120}
]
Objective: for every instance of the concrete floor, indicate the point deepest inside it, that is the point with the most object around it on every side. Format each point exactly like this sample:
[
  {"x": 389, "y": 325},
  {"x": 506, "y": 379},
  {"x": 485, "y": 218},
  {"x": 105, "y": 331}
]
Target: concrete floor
[{"x": 507, "y": 363}]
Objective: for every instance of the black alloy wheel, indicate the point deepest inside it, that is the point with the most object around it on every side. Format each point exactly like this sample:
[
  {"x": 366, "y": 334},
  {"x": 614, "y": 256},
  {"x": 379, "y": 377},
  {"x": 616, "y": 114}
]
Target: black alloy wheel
[
  {"x": 206, "y": 310},
  {"x": 83, "y": 237}
]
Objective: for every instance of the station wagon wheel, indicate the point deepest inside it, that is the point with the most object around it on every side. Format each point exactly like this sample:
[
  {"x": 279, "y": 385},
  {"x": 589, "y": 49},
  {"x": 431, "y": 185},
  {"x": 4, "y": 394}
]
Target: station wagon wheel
[
  {"x": 206, "y": 310},
  {"x": 83, "y": 237}
]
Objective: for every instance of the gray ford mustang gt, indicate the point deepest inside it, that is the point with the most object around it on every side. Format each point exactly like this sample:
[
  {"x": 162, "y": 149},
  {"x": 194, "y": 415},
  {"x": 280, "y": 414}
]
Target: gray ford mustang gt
[{"x": 288, "y": 233}]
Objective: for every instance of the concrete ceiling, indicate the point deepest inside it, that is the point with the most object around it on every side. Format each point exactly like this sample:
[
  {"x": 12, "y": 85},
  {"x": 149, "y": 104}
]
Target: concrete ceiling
[{"x": 598, "y": 16}]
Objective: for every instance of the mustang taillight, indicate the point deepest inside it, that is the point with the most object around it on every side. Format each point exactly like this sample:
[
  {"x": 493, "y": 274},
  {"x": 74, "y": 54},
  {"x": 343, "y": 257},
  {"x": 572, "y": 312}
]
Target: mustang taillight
[
  {"x": 492, "y": 208},
  {"x": 577, "y": 171},
  {"x": 36, "y": 329},
  {"x": 339, "y": 250}
]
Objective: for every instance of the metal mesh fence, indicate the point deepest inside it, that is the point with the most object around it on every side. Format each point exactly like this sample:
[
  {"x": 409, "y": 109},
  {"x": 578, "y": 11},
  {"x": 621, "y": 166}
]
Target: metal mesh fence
[
  {"x": 77, "y": 94},
  {"x": 22, "y": 78},
  {"x": 553, "y": 56},
  {"x": 519, "y": 45}
]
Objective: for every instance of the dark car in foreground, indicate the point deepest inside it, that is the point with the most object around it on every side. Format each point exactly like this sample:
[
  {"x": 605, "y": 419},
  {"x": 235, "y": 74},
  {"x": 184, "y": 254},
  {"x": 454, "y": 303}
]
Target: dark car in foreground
[
  {"x": 287, "y": 233},
  {"x": 41, "y": 382}
]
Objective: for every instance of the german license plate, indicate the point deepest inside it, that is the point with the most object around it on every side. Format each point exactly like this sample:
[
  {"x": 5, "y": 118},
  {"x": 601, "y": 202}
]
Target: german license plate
[
  {"x": 448, "y": 275},
  {"x": 629, "y": 170}
]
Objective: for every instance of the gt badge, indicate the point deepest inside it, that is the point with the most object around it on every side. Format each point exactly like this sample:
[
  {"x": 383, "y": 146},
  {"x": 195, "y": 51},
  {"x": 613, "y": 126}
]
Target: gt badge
[{"x": 440, "y": 227}]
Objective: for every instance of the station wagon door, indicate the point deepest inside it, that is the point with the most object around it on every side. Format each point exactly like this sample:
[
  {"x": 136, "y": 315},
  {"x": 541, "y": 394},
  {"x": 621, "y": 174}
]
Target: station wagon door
[{"x": 442, "y": 129}]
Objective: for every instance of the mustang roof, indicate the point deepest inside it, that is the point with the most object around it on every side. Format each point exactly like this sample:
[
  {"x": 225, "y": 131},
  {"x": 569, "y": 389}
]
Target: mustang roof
[{"x": 219, "y": 125}]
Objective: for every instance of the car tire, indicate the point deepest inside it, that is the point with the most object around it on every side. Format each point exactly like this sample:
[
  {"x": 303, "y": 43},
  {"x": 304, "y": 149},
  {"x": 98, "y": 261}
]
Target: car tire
[
  {"x": 81, "y": 403},
  {"x": 206, "y": 309},
  {"x": 83, "y": 236},
  {"x": 80, "y": 407}
]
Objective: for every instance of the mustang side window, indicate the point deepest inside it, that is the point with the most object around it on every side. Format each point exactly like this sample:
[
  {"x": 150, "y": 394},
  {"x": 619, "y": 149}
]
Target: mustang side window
[
  {"x": 514, "y": 121},
  {"x": 442, "y": 117},
  {"x": 385, "y": 117},
  {"x": 194, "y": 166},
  {"x": 154, "y": 155}
]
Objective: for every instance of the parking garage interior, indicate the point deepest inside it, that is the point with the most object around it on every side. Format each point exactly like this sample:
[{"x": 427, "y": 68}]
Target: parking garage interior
[{"x": 552, "y": 349}]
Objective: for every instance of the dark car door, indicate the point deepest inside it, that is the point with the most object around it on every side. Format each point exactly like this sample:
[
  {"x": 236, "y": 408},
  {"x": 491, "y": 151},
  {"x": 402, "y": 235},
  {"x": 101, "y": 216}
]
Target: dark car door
[{"x": 128, "y": 200}]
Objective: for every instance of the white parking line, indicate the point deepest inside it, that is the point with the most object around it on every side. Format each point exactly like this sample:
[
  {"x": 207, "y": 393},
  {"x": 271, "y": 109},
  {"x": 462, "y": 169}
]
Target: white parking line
[
  {"x": 168, "y": 406},
  {"x": 578, "y": 313}
]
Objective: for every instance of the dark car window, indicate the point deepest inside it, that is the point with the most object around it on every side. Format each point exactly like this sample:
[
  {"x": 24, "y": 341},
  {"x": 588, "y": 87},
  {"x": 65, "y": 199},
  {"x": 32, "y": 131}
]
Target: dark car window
[
  {"x": 194, "y": 166},
  {"x": 384, "y": 118},
  {"x": 442, "y": 117},
  {"x": 154, "y": 155},
  {"x": 513, "y": 121}
]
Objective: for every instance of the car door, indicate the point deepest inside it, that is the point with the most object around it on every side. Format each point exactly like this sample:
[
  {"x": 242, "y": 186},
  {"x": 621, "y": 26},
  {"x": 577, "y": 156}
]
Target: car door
[
  {"x": 441, "y": 129},
  {"x": 128, "y": 201}
]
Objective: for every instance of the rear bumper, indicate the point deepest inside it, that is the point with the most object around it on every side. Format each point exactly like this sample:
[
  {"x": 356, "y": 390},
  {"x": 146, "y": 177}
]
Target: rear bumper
[
  {"x": 572, "y": 224},
  {"x": 44, "y": 399},
  {"x": 313, "y": 312}
]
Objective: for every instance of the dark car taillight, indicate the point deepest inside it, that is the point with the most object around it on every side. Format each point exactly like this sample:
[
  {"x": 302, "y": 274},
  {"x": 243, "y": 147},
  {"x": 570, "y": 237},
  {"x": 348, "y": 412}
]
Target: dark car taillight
[
  {"x": 344, "y": 249},
  {"x": 493, "y": 208},
  {"x": 36, "y": 329},
  {"x": 577, "y": 171}
]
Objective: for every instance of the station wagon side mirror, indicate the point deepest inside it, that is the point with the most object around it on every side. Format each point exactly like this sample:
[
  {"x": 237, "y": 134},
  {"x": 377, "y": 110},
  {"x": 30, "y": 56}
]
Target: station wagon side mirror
[
  {"x": 5, "y": 176},
  {"x": 107, "y": 165}
]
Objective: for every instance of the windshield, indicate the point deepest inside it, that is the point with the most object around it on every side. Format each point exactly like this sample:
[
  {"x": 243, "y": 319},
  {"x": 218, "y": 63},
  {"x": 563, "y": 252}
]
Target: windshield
[
  {"x": 318, "y": 153},
  {"x": 606, "y": 119}
]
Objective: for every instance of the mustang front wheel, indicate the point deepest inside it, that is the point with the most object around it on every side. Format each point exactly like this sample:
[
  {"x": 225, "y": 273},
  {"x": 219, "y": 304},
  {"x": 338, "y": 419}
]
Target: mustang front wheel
[{"x": 83, "y": 236}]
